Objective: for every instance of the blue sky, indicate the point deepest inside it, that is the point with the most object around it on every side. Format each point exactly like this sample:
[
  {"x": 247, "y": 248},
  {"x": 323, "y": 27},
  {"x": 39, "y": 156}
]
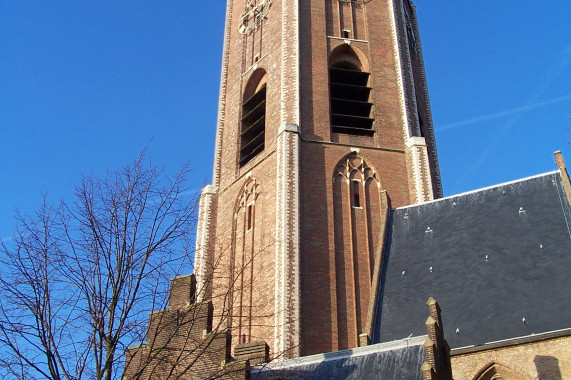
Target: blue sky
[{"x": 85, "y": 85}]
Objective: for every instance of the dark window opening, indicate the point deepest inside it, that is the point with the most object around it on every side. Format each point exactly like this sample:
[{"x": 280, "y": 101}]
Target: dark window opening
[
  {"x": 345, "y": 33},
  {"x": 250, "y": 217},
  {"x": 356, "y": 197},
  {"x": 253, "y": 126},
  {"x": 350, "y": 106}
]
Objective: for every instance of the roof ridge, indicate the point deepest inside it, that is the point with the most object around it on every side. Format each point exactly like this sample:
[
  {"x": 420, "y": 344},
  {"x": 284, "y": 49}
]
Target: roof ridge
[{"x": 479, "y": 190}]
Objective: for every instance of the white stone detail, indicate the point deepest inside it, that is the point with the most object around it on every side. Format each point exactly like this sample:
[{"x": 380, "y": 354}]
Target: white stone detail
[
  {"x": 202, "y": 240},
  {"x": 430, "y": 122},
  {"x": 287, "y": 330},
  {"x": 398, "y": 66},
  {"x": 288, "y": 127},
  {"x": 222, "y": 97},
  {"x": 421, "y": 169},
  {"x": 290, "y": 62},
  {"x": 287, "y": 307},
  {"x": 416, "y": 141},
  {"x": 420, "y": 163}
]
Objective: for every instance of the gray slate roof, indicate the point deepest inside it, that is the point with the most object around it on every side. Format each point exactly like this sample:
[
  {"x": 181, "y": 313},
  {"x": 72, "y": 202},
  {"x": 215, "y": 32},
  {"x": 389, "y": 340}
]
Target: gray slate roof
[
  {"x": 490, "y": 258},
  {"x": 392, "y": 361}
]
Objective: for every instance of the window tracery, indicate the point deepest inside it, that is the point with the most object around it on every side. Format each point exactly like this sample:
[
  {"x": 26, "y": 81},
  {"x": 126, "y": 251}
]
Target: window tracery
[
  {"x": 357, "y": 208},
  {"x": 243, "y": 260}
]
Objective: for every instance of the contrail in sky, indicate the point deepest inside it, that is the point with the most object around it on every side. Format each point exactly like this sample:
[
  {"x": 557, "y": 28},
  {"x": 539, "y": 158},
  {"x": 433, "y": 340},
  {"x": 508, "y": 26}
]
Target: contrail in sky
[
  {"x": 503, "y": 113},
  {"x": 551, "y": 73}
]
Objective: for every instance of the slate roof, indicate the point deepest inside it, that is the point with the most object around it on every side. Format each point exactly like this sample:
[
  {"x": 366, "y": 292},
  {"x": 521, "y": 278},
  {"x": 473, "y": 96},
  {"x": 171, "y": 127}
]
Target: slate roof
[
  {"x": 490, "y": 258},
  {"x": 389, "y": 361}
]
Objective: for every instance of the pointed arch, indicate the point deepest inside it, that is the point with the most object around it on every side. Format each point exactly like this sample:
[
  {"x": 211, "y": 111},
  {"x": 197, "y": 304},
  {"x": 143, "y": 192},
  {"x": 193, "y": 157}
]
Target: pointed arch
[
  {"x": 493, "y": 371},
  {"x": 241, "y": 278},
  {"x": 253, "y": 122},
  {"x": 357, "y": 212},
  {"x": 349, "y": 92},
  {"x": 349, "y": 57}
]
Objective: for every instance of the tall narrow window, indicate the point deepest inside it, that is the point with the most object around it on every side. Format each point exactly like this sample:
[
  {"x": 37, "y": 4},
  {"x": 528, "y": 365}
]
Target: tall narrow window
[
  {"x": 253, "y": 129},
  {"x": 244, "y": 263},
  {"x": 350, "y": 106},
  {"x": 250, "y": 217},
  {"x": 356, "y": 194}
]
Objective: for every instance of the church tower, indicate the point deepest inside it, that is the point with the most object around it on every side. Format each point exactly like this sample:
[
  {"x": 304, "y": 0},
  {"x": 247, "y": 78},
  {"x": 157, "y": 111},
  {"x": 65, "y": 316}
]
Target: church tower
[{"x": 324, "y": 124}]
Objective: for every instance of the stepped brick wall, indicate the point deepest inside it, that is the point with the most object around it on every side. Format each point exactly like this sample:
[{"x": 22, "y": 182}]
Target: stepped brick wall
[{"x": 181, "y": 342}]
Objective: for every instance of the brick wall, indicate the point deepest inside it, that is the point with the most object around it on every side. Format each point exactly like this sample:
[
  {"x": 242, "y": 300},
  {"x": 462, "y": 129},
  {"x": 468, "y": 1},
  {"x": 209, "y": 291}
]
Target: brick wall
[
  {"x": 548, "y": 359},
  {"x": 279, "y": 281},
  {"x": 373, "y": 38},
  {"x": 182, "y": 343}
]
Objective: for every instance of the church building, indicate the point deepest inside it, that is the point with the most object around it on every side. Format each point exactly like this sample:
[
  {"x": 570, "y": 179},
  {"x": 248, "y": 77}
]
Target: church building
[
  {"x": 325, "y": 231},
  {"x": 323, "y": 118}
]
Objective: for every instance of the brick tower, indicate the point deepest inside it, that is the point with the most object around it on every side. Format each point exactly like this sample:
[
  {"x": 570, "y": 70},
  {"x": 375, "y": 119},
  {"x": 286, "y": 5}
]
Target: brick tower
[{"x": 323, "y": 117}]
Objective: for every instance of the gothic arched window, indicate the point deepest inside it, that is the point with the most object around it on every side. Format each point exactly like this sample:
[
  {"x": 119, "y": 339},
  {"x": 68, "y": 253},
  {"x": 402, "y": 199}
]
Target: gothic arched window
[
  {"x": 243, "y": 260},
  {"x": 349, "y": 93},
  {"x": 253, "y": 123},
  {"x": 358, "y": 209}
]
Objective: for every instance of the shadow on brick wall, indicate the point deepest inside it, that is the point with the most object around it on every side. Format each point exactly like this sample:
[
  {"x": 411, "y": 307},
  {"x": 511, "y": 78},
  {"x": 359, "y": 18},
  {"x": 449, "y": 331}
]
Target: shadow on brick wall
[{"x": 547, "y": 368}]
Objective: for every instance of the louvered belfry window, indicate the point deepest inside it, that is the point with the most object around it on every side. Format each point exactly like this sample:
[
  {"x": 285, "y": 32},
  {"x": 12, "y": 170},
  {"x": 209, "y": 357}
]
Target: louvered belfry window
[
  {"x": 253, "y": 126},
  {"x": 350, "y": 105}
]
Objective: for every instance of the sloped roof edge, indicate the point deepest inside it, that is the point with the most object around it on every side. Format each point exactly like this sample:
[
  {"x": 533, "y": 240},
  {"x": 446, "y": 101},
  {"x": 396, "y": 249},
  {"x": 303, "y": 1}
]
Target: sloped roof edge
[
  {"x": 512, "y": 341},
  {"x": 343, "y": 354},
  {"x": 479, "y": 190}
]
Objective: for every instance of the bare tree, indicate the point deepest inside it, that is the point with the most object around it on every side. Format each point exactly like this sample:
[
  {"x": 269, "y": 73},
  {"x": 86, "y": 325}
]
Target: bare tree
[
  {"x": 192, "y": 339},
  {"x": 78, "y": 280}
]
